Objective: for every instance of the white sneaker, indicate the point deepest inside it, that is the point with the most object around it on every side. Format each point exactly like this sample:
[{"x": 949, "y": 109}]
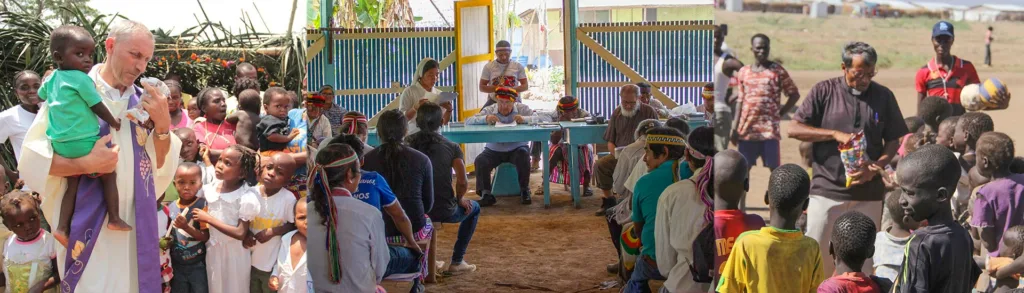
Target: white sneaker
[{"x": 462, "y": 266}]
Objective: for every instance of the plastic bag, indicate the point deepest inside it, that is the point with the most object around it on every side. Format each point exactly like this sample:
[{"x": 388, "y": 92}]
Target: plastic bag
[
  {"x": 852, "y": 154},
  {"x": 138, "y": 114},
  {"x": 683, "y": 110}
]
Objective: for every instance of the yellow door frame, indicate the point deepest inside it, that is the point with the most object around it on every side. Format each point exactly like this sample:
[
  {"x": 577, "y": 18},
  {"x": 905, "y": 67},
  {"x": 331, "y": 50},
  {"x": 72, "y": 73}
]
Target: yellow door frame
[{"x": 460, "y": 59}]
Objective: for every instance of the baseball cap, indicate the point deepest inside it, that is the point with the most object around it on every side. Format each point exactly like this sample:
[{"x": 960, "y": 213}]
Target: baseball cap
[{"x": 942, "y": 28}]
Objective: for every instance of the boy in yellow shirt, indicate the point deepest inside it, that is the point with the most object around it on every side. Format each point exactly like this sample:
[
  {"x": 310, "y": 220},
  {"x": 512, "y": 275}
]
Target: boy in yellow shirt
[{"x": 795, "y": 261}]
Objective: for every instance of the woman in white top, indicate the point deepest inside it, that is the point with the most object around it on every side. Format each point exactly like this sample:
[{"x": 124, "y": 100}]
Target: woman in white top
[
  {"x": 16, "y": 120},
  {"x": 420, "y": 91}
]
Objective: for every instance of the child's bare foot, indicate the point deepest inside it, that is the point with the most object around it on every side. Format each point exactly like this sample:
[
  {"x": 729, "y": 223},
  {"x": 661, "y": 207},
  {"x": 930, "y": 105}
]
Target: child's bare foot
[
  {"x": 118, "y": 225},
  {"x": 61, "y": 236}
]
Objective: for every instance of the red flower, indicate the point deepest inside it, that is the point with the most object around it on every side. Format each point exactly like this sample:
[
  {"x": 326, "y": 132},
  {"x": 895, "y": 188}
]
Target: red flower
[{"x": 194, "y": 57}]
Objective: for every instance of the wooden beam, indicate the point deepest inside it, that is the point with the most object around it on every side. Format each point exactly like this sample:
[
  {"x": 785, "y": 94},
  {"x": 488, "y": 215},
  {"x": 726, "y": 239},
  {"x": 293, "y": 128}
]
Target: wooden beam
[
  {"x": 646, "y": 28},
  {"x": 622, "y": 67},
  {"x": 315, "y": 48},
  {"x": 382, "y": 35},
  {"x": 447, "y": 61},
  {"x": 655, "y": 84},
  {"x": 395, "y": 88}
]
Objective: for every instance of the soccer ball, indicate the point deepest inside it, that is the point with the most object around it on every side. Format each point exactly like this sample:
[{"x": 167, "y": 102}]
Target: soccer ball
[
  {"x": 992, "y": 90},
  {"x": 970, "y": 98}
]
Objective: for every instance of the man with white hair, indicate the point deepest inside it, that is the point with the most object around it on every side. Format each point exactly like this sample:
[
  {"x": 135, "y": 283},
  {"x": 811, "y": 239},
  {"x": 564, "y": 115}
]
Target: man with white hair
[
  {"x": 619, "y": 134},
  {"x": 144, "y": 159}
]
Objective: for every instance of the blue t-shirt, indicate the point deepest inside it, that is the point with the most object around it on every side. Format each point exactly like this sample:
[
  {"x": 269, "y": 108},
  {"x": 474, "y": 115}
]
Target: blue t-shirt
[{"x": 374, "y": 190}]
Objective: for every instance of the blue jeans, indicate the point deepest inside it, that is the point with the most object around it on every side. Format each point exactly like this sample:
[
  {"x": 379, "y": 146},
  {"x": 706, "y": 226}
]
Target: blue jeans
[
  {"x": 466, "y": 228},
  {"x": 403, "y": 261},
  {"x": 642, "y": 273}
]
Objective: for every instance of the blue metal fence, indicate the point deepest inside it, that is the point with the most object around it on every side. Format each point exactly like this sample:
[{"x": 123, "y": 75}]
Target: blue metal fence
[
  {"x": 658, "y": 56},
  {"x": 374, "y": 59}
]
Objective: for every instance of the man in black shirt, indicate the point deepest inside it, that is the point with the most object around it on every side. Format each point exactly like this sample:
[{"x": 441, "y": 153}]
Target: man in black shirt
[
  {"x": 834, "y": 111},
  {"x": 449, "y": 206},
  {"x": 938, "y": 257}
]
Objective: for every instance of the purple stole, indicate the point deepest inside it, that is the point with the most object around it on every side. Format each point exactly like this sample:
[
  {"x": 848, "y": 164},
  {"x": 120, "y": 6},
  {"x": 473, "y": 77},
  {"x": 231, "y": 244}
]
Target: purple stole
[{"x": 91, "y": 214}]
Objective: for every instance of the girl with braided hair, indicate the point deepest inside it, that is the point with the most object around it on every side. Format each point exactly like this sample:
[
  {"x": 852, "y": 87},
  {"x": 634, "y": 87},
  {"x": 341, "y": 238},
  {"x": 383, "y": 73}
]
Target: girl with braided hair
[
  {"x": 357, "y": 262},
  {"x": 232, "y": 203},
  {"x": 684, "y": 220}
]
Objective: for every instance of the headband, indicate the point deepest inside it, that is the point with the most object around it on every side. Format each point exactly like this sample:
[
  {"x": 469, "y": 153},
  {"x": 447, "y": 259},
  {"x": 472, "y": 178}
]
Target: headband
[
  {"x": 695, "y": 153},
  {"x": 708, "y": 92},
  {"x": 354, "y": 120},
  {"x": 575, "y": 103},
  {"x": 665, "y": 139},
  {"x": 333, "y": 245},
  {"x": 507, "y": 92},
  {"x": 316, "y": 100},
  {"x": 503, "y": 48}
]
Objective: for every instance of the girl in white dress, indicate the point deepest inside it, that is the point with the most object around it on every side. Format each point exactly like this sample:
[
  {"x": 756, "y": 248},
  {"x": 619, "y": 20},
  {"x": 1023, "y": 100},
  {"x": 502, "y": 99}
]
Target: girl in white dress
[
  {"x": 290, "y": 273},
  {"x": 233, "y": 203},
  {"x": 30, "y": 257}
]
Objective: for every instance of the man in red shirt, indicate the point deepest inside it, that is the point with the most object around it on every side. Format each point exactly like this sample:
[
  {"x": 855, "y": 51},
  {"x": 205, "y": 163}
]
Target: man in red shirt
[{"x": 945, "y": 75}]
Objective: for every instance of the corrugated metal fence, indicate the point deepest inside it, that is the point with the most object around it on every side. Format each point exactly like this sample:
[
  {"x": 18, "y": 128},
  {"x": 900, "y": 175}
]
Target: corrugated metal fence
[
  {"x": 681, "y": 55},
  {"x": 371, "y": 62}
]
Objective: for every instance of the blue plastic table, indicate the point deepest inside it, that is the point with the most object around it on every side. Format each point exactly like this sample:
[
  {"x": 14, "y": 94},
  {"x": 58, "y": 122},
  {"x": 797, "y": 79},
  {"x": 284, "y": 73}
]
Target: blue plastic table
[
  {"x": 488, "y": 133},
  {"x": 580, "y": 133}
]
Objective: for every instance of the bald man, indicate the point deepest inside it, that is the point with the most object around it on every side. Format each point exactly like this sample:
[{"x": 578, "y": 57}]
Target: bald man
[{"x": 619, "y": 134}]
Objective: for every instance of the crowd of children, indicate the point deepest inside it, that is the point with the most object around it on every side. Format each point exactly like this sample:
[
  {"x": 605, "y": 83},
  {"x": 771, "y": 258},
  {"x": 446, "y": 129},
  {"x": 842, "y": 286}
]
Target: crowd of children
[
  {"x": 232, "y": 220},
  {"x": 954, "y": 218}
]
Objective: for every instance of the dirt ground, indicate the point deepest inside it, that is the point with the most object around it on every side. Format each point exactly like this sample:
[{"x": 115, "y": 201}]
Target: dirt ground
[
  {"x": 901, "y": 82},
  {"x": 560, "y": 248},
  {"x": 565, "y": 249}
]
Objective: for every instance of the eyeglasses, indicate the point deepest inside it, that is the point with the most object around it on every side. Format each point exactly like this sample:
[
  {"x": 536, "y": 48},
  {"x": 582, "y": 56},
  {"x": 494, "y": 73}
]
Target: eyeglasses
[{"x": 860, "y": 74}]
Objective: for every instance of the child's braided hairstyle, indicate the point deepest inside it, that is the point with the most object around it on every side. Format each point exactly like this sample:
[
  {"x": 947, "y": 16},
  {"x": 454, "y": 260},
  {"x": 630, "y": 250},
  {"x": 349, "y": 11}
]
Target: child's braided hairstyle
[
  {"x": 14, "y": 200},
  {"x": 250, "y": 163}
]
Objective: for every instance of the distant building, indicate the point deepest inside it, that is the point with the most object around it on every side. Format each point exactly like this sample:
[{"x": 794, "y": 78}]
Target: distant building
[{"x": 990, "y": 13}]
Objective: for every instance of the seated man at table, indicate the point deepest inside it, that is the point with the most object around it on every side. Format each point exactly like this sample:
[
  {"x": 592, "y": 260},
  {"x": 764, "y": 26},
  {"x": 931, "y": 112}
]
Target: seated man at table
[
  {"x": 619, "y": 134},
  {"x": 507, "y": 110},
  {"x": 647, "y": 98},
  {"x": 568, "y": 108}
]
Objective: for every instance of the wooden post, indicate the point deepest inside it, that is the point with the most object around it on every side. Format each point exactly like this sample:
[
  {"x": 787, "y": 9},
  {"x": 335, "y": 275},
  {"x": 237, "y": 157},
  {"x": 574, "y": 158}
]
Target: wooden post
[
  {"x": 569, "y": 24},
  {"x": 326, "y": 12}
]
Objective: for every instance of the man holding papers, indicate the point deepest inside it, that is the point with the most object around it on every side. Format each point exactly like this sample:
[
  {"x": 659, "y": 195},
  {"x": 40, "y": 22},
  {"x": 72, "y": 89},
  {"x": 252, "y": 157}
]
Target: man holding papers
[{"x": 505, "y": 111}]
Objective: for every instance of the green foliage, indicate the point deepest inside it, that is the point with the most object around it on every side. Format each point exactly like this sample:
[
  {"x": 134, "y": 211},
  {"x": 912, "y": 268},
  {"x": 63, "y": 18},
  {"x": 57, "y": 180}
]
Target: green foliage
[
  {"x": 368, "y": 12},
  {"x": 280, "y": 59},
  {"x": 50, "y": 10}
]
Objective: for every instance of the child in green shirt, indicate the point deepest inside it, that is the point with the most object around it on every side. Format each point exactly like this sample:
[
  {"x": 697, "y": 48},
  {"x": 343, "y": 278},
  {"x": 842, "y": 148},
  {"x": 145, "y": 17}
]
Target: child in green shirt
[{"x": 73, "y": 128}]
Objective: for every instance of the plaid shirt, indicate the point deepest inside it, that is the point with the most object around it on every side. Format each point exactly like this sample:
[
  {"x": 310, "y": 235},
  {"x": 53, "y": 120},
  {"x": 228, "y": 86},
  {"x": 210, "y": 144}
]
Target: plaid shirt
[{"x": 334, "y": 115}]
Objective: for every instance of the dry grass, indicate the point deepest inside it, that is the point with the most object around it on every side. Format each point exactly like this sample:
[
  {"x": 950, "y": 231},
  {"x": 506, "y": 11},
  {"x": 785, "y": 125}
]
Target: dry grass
[{"x": 803, "y": 43}]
